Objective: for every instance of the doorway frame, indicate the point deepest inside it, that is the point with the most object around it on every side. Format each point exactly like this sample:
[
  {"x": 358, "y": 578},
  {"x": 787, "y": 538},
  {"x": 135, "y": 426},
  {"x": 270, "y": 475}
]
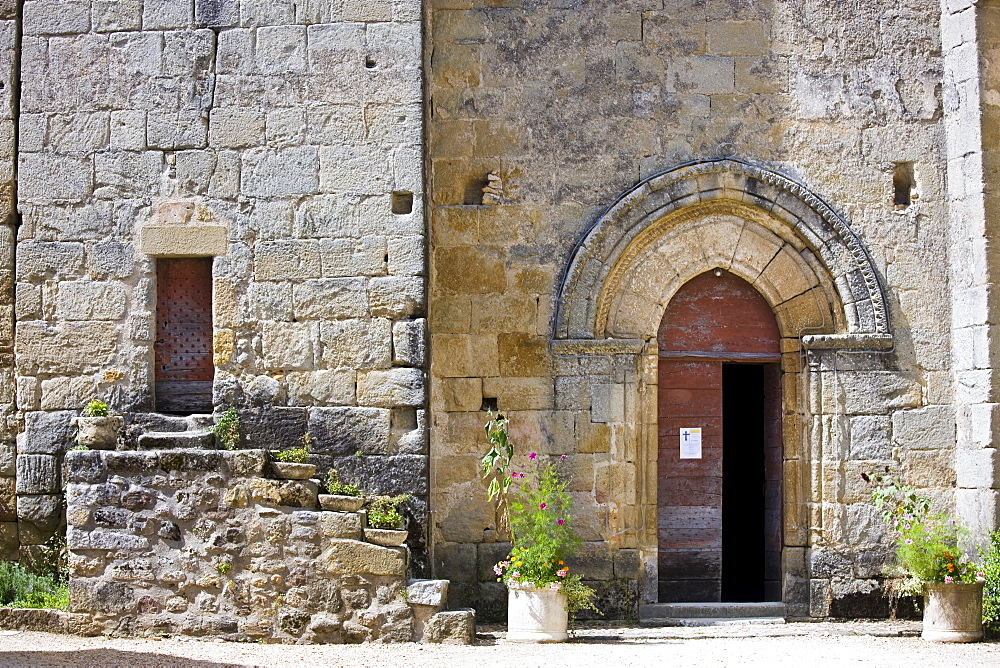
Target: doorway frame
[{"x": 800, "y": 254}]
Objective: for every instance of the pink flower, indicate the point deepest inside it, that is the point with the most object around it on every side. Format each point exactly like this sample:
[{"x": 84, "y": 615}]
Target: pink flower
[
  {"x": 562, "y": 456},
  {"x": 954, "y": 522},
  {"x": 498, "y": 570},
  {"x": 513, "y": 474},
  {"x": 520, "y": 475},
  {"x": 562, "y": 572},
  {"x": 981, "y": 576},
  {"x": 909, "y": 541},
  {"x": 554, "y": 586},
  {"x": 532, "y": 455},
  {"x": 543, "y": 505},
  {"x": 906, "y": 526},
  {"x": 560, "y": 521},
  {"x": 515, "y": 575},
  {"x": 949, "y": 579}
]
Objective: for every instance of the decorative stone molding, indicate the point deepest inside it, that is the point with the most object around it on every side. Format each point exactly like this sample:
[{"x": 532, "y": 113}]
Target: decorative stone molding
[
  {"x": 597, "y": 346},
  {"x": 814, "y": 241}
]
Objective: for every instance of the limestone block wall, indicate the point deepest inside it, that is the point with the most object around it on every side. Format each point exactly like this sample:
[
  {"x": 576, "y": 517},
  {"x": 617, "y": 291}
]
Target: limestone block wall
[
  {"x": 541, "y": 116},
  {"x": 199, "y": 543},
  {"x": 283, "y": 138},
  {"x": 8, "y": 224}
]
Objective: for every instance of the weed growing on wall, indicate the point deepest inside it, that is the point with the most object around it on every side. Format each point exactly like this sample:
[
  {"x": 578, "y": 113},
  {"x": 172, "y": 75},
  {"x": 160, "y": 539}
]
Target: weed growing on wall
[{"x": 21, "y": 589}]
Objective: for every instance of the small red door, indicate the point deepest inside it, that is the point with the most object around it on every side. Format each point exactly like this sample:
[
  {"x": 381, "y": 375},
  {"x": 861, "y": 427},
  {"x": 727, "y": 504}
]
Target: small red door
[
  {"x": 184, "y": 369},
  {"x": 719, "y": 513}
]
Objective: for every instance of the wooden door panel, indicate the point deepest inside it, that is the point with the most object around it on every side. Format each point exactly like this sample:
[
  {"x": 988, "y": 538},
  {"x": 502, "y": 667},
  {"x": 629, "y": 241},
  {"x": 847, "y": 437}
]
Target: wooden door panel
[{"x": 184, "y": 368}]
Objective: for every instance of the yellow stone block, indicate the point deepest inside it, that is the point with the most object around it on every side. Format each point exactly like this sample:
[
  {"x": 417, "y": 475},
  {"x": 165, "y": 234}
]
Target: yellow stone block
[
  {"x": 470, "y": 269},
  {"x": 523, "y": 355},
  {"x": 223, "y": 346}
]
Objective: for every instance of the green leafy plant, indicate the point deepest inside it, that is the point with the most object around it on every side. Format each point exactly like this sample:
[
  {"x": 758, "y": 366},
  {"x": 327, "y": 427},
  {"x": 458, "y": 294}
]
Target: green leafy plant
[
  {"x": 80, "y": 446},
  {"x": 496, "y": 468},
  {"x": 540, "y": 521},
  {"x": 383, "y": 511},
  {"x": 293, "y": 455},
  {"x": 96, "y": 408},
  {"x": 21, "y": 589},
  {"x": 929, "y": 547},
  {"x": 991, "y": 590},
  {"x": 224, "y": 567},
  {"x": 227, "y": 429},
  {"x": 334, "y": 486}
]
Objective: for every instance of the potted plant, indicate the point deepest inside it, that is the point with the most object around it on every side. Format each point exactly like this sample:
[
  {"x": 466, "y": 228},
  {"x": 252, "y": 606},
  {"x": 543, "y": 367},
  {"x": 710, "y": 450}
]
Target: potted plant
[
  {"x": 97, "y": 429},
  {"x": 385, "y": 523},
  {"x": 930, "y": 560},
  {"x": 542, "y": 594},
  {"x": 340, "y": 496},
  {"x": 290, "y": 463}
]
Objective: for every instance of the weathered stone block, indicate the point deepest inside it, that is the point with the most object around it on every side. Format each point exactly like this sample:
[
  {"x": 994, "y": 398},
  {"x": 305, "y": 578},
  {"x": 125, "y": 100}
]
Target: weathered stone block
[
  {"x": 56, "y": 17},
  {"x": 122, "y": 174},
  {"x": 98, "y": 596},
  {"x": 44, "y": 511},
  {"x": 925, "y": 428},
  {"x": 63, "y": 393},
  {"x": 399, "y": 386},
  {"x": 53, "y": 178},
  {"x": 46, "y": 433},
  {"x": 388, "y": 475},
  {"x": 354, "y": 557},
  {"x": 353, "y": 257},
  {"x": 348, "y": 430},
  {"x": 326, "y": 297},
  {"x": 280, "y": 172},
  {"x": 357, "y": 344},
  {"x": 184, "y": 240},
  {"x": 90, "y": 300},
  {"x": 217, "y": 13},
  {"x": 110, "y": 259},
  {"x": 176, "y": 130},
  {"x": 37, "y": 474},
  {"x": 396, "y": 296},
  {"x": 341, "y": 525},
  {"x": 40, "y": 260},
  {"x": 288, "y": 345},
  {"x": 409, "y": 342},
  {"x": 73, "y": 348},
  {"x": 319, "y": 388},
  {"x": 273, "y": 427},
  {"x": 80, "y": 132},
  {"x": 359, "y": 170},
  {"x": 8, "y": 500},
  {"x": 451, "y": 627},
  {"x": 287, "y": 260},
  {"x": 870, "y": 437},
  {"x": 235, "y": 128},
  {"x": 116, "y": 15}
]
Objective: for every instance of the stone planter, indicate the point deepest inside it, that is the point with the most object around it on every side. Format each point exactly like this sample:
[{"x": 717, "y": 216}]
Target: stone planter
[
  {"x": 386, "y": 537},
  {"x": 953, "y": 612},
  {"x": 292, "y": 471},
  {"x": 99, "y": 433},
  {"x": 343, "y": 504},
  {"x": 536, "y": 614}
]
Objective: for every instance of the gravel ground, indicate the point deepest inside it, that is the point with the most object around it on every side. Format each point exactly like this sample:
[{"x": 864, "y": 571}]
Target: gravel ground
[{"x": 817, "y": 644}]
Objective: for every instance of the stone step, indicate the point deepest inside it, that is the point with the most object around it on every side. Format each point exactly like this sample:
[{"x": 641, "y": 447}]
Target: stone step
[
  {"x": 764, "y": 610},
  {"x": 177, "y": 440},
  {"x": 709, "y": 621}
]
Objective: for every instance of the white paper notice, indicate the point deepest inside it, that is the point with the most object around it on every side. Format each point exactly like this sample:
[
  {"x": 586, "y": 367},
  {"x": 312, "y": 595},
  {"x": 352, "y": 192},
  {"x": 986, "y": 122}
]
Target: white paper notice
[{"x": 690, "y": 442}]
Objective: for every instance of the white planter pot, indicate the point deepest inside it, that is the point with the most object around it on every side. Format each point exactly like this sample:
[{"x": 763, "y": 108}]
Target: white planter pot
[
  {"x": 953, "y": 612},
  {"x": 99, "y": 433},
  {"x": 339, "y": 503},
  {"x": 386, "y": 537},
  {"x": 536, "y": 614}
]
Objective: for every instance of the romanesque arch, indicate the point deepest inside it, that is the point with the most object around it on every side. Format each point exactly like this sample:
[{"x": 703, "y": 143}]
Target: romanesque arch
[{"x": 771, "y": 231}]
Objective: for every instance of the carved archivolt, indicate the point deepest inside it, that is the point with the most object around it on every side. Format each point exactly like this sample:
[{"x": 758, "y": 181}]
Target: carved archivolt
[{"x": 773, "y": 232}]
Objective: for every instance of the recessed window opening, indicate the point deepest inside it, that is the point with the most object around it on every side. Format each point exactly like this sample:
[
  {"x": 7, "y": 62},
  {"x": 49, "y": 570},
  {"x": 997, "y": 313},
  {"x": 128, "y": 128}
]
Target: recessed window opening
[
  {"x": 402, "y": 202},
  {"x": 903, "y": 185},
  {"x": 489, "y": 404},
  {"x": 370, "y": 63},
  {"x": 474, "y": 190}
]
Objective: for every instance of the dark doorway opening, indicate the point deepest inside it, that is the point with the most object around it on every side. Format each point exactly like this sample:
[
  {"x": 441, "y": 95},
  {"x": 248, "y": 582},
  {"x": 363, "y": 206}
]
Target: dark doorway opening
[{"x": 743, "y": 484}]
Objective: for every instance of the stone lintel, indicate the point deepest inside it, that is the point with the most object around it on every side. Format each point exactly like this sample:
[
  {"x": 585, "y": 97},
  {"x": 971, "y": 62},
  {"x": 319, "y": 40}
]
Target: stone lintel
[
  {"x": 869, "y": 342},
  {"x": 184, "y": 240},
  {"x": 597, "y": 346}
]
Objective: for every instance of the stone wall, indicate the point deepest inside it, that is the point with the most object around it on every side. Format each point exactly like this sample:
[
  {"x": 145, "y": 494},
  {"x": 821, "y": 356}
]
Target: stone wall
[
  {"x": 283, "y": 138},
  {"x": 541, "y": 116},
  {"x": 199, "y": 543}
]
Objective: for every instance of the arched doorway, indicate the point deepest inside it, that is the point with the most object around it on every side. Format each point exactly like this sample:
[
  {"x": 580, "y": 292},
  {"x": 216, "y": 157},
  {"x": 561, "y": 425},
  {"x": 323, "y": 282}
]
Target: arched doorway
[{"x": 719, "y": 508}]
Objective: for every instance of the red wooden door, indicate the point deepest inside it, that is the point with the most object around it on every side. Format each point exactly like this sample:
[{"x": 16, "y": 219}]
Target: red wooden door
[
  {"x": 184, "y": 368},
  {"x": 710, "y": 324}
]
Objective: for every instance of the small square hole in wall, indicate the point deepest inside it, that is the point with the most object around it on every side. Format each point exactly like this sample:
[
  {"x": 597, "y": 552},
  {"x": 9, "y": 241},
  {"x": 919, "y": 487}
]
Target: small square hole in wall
[
  {"x": 903, "y": 185},
  {"x": 402, "y": 202},
  {"x": 489, "y": 404}
]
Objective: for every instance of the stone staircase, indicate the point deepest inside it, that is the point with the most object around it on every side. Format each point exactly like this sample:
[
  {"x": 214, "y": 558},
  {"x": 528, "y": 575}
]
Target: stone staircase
[
  {"x": 191, "y": 432},
  {"x": 711, "y": 614}
]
